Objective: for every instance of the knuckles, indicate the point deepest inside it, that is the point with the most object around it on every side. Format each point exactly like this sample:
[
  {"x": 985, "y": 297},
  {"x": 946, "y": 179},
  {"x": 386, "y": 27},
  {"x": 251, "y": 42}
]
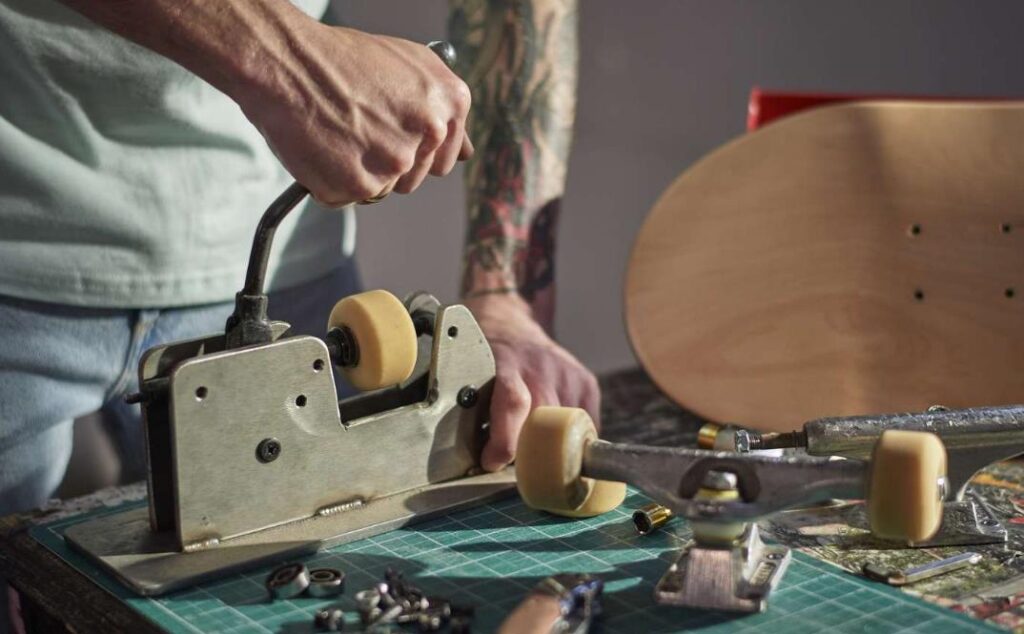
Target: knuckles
[{"x": 516, "y": 396}]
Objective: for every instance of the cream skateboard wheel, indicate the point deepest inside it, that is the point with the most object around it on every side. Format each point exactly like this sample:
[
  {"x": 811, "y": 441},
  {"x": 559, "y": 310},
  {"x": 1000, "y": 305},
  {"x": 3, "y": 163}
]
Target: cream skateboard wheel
[
  {"x": 549, "y": 461},
  {"x": 908, "y": 471},
  {"x": 384, "y": 337}
]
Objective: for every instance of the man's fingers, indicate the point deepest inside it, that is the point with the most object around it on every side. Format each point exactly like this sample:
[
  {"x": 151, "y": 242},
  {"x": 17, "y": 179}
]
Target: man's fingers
[
  {"x": 510, "y": 405},
  {"x": 466, "y": 151},
  {"x": 590, "y": 399},
  {"x": 448, "y": 153},
  {"x": 414, "y": 177},
  {"x": 542, "y": 395}
]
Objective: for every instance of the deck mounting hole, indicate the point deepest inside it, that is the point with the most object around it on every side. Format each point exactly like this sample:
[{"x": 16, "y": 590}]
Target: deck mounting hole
[
  {"x": 1006, "y": 227},
  {"x": 919, "y": 295},
  {"x": 201, "y": 392},
  {"x": 914, "y": 229},
  {"x": 1009, "y": 292},
  {"x": 300, "y": 400}
]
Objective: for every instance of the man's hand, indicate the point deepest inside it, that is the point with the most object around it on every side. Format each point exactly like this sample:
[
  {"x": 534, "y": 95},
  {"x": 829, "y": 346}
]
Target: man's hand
[
  {"x": 352, "y": 116},
  {"x": 532, "y": 370}
]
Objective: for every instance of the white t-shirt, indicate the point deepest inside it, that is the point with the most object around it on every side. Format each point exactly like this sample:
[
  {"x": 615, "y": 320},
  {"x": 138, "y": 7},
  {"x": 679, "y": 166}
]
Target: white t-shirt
[{"x": 126, "y": 181}]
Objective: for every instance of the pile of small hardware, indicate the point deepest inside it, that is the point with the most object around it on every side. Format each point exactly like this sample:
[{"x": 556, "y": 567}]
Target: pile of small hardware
[
  {"x": 396, "y": 601},
  {"x": 391, "y": 602}
]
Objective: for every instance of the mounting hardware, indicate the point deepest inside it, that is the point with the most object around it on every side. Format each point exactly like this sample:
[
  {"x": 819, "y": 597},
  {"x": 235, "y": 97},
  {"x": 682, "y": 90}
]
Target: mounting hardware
[
  {"x": 467, "y": 397},
  {"x": 329, "y": 620},
  {"x": 268, "y": 450}
]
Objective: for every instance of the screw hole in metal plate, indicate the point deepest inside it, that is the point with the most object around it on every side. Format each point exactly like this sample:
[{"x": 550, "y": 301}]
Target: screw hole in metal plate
[
  {"x": 201, "y": 392},
  {"x": 300, "y": 400},
  {"x": 453, "y": 332},
  {"x": 318, "y": 365}
]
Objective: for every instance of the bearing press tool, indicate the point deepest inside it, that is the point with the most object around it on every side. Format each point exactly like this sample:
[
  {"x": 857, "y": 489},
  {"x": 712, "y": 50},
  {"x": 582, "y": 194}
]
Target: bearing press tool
[{"x": 252, "y": 458}]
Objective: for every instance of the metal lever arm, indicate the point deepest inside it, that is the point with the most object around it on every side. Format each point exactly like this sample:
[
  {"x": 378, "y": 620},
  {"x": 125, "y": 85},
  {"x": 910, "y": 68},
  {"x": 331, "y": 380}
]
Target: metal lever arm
[{"x": 672, "y": 476}]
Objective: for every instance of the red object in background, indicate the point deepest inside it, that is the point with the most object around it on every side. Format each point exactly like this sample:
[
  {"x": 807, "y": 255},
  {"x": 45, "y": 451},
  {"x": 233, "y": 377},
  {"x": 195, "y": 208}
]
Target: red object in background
[{"x": 765, "y": 106}]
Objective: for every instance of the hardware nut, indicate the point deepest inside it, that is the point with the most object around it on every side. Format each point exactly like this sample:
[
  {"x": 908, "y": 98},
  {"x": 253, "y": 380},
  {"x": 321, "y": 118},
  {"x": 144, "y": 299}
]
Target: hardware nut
[{"x": 268, "y": 450}]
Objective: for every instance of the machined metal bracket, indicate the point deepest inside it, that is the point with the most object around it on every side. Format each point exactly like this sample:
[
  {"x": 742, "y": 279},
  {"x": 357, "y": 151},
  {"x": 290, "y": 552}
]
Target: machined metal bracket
[
  {"x": 252, "y": 458},
  {"x": 734, "y": 579}
]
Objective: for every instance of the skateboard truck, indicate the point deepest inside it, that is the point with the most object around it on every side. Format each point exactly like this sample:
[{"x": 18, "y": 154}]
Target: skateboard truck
[
  {"x": 252, "y": 458},
  {"x": 974, "y": 438},
  {"x": 563, "y": 468}
]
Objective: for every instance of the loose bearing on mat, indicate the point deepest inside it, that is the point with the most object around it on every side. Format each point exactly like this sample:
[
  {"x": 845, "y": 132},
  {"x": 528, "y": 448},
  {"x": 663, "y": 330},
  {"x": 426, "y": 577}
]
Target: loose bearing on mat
[
  {"x": 288, "y": 582},
  {"x": 326, "y": 582}
]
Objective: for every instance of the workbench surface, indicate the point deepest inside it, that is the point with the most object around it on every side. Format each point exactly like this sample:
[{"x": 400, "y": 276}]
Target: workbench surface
[{"x": 489, "y": 556}]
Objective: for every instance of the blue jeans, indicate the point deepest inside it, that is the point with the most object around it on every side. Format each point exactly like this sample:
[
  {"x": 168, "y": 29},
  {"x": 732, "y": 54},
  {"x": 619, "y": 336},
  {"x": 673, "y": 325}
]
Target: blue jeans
[{"x": 60, "y": 362}]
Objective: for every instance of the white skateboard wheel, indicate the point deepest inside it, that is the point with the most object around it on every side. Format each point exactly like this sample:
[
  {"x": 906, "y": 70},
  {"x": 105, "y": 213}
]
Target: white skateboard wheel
[
  {"x": 549, "y": 461},
  {"x": 905, "y": 494},
  {"x": 384, "y": 336}
]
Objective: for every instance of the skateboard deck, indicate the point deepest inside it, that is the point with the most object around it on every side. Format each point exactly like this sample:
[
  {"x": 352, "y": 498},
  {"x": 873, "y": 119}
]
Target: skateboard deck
[{"x": 853, "y": 259}]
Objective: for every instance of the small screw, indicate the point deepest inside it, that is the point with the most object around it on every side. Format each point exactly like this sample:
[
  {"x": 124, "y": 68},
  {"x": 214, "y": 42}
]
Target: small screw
[
  {"x": 774, "y": 556},
  {"x": 268, "y": 450},
  {"x": 988, "y": 521},
  {"x": 467, "y": 397}
]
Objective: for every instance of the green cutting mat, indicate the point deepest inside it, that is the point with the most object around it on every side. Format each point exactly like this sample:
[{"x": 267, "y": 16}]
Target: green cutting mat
[{"x": 491, "y": 555}]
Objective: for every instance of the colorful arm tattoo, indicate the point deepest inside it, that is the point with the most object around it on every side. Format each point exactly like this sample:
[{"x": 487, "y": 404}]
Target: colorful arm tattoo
[{"x": 519, "y": 58}]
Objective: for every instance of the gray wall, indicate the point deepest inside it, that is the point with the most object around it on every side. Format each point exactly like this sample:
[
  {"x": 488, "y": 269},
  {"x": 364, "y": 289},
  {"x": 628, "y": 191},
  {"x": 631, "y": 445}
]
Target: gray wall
[{"x": 662, "y": 82}]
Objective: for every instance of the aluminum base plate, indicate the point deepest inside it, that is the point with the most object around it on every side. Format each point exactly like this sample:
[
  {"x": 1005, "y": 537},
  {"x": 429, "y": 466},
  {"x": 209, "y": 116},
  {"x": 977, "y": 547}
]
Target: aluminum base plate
[{"x": 149, "y": 563}]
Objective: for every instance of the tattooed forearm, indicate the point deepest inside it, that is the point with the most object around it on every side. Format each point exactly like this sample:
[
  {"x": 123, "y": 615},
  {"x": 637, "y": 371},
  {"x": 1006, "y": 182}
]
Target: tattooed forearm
[{"x": 519, "y": 58}]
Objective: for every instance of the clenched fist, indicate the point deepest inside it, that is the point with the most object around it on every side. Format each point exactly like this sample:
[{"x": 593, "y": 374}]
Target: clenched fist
[{"x": 354, "y": 116}]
